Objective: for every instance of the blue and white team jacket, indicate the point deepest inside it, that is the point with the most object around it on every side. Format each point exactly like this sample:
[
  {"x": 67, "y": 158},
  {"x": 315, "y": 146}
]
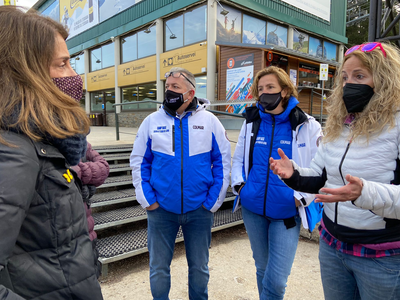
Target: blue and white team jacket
[
  {"x": 264, "y": 193},
  {"x": 181, "y": 163}
]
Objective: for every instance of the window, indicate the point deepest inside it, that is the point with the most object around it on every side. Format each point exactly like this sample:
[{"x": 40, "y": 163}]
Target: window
[
  {"x": 229, "y": 26},
  {"x": 139, "y": 93},
  {"x": 186, "y": 29},
  {"x": 102, "y": 57},
  {"x": 146, "y": 43},
  {"x": 107, "y": 55},
  {"x": 78, "y": 63},
  {"x": 277, "y": 34},
  {"x": 201, "y": 86},
  {"x": 97, "y": 99},
  {"x": 195, "y": 25},
  {"x": 173, "y": 33},
  {"x": 253, "y": 30},
  {"x": 309, "y": 76},
  {"x": 95, "y": 59},
  {"x": 129, "y": 48},
  {"x": 83, "y": 101},
  {"x": 331, "y": 51},
  {"x": 315, "y": 48},
  {"x": 300, "y": 41},
  {"x": 138, "y": 45}
]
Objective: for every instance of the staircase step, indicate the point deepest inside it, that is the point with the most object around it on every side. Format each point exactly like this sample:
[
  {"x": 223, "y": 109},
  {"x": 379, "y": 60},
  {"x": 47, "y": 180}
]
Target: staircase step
[
  {"x": 120, "y": 167},
  {"x": 126, "y": 215},
  {"x": 116, "y": 156},
  {"x": 125, "y": 245},
  {"x": 118, "y": 217},
  {"x": 117, "y": 181},
  {"x": 113, "y": 149},
  {"x": 113, "y": 197}
]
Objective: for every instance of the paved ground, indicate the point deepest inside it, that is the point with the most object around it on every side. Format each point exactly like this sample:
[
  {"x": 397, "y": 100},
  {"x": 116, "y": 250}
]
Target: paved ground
[{"x": 232, "y": 271}]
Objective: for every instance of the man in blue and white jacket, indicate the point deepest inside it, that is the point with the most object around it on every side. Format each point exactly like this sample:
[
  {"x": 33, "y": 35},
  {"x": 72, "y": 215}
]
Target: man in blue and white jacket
[{"x": 180, "y": 162}]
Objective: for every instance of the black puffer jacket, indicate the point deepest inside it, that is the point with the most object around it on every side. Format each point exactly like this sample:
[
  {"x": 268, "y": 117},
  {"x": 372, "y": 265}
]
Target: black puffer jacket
[{"x": 44, "y": 243}]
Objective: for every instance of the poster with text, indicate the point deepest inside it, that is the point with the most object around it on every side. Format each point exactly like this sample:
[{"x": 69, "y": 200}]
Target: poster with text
[
  {"x": 79, "y": 15},
  {"x": 53, "y": 11},
  {"x": 229, "y": 26},
  {"x": 109, "y": 8},
  {"x": 239, "y": 78}
]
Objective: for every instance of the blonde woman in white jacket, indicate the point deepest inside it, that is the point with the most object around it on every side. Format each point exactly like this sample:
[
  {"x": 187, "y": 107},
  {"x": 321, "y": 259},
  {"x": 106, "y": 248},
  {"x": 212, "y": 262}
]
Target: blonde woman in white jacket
[{"x": 355, "y": 173}]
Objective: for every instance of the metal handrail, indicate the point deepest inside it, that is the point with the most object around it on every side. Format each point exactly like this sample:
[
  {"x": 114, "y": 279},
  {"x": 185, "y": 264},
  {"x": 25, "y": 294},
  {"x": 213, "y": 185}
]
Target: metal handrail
[
  {"x": 127, "y": 103},
  {"x": 158, "y": 102}
]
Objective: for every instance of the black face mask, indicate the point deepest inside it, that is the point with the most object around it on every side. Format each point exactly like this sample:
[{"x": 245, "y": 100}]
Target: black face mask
[
  {"x": 356, "y": 96},
  {"x": 270, "y": 101},
  {"x": 173, "y": 100}
]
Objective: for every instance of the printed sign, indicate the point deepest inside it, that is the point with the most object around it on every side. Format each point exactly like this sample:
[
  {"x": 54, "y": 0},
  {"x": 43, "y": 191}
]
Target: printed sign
[
  {"x": 323, "y": 71},
  {"x": 193, "y": 58},
  {"x": 138, "y": 71},
  {"x": 78, "y": 15},
  {"x": 239, "y": 78}
]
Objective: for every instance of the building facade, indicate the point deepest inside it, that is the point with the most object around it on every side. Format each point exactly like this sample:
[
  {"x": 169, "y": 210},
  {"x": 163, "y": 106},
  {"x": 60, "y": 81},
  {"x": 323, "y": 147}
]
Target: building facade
[{"x": 123, "y": 48}]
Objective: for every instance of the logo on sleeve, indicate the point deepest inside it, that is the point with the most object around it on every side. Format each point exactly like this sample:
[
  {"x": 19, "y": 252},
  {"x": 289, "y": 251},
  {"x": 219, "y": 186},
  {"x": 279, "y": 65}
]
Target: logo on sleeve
[
  {"x": 302, "y": 145},
  {"x": 198, "y": 127}
]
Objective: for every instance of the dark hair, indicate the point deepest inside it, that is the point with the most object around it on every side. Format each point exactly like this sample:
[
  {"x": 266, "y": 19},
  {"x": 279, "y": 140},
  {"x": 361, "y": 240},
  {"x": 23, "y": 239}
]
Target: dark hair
[{"x": 27, "y": 48}]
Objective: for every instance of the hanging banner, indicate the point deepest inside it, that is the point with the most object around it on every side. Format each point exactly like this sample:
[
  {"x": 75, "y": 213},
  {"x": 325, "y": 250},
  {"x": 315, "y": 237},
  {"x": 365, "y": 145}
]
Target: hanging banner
[
  {"x": 239, "y": 78},
  {"x": 79, "y": 15},
  {"x": 319, "y": 8}
]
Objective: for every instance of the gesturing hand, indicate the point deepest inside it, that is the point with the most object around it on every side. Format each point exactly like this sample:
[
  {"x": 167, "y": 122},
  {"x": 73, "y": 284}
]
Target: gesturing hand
[
  {"x": 349, "y": 192},
  {"x": 282, "y": 167}
]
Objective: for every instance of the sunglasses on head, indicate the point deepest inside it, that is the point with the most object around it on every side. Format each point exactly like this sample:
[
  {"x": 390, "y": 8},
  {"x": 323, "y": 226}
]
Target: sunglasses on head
[
  {"x": 177, "y": 75},
  {"x": 366, "y": 47}
]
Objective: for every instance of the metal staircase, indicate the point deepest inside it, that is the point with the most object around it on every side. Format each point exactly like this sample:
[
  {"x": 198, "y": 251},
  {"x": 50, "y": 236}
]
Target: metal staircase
[{"x": 120, "y": 222}]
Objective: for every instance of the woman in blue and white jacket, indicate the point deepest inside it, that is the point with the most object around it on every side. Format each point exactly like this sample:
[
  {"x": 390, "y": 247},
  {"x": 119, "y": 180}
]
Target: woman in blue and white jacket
[{"x": 271, "y": 209}]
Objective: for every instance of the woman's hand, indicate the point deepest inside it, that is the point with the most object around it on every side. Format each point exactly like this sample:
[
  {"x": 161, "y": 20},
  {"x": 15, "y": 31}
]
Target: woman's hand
[
  {"x": 349, "y": 192},
  {"x": 282, "y": 167}
]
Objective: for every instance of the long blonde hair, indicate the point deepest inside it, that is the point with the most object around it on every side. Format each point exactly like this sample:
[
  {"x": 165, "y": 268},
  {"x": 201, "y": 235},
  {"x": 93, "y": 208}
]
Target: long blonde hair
[
  {"x": 380, "y": 112},
  {"x": 29, "y": 100},
  {"x": 283, "y": 80}
]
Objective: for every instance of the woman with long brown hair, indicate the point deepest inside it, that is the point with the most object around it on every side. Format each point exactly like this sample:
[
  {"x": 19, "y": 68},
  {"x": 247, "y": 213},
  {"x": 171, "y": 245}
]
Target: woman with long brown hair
[
  {"x": 355, "y": 172},
  {"x": 45, "y": 250}
]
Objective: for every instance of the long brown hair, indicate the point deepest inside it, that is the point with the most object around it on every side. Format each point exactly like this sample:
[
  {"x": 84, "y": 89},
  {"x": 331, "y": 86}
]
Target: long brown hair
[
  {"x": 283, "y": 80},
  {"x": 27, "y": 92},
  {"x": 381, "y": 110}
]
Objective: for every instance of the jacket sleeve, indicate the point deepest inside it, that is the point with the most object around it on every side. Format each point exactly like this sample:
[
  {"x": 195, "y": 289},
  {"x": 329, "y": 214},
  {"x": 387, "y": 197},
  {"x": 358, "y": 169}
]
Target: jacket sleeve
[
  {"x": 381, "y": 199},
  {"x": 221, "y": 166},
  {"x": 311, "y": 179},
  {"x": 95, "y": 170},
  {"x": 238, "y": 160},
  {"x": 19, "y": 169},
  {"x": 314, "y": 134},
  {"x": 140, "y": 161}
]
